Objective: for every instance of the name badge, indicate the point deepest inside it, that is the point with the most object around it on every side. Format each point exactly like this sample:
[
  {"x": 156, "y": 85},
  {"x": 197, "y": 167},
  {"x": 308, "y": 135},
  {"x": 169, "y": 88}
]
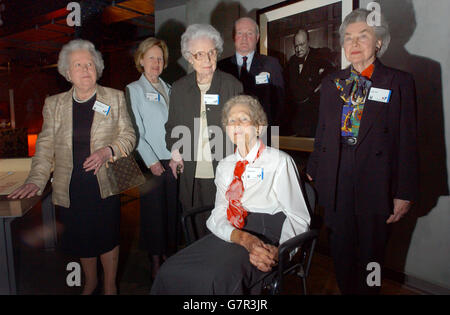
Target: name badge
[
  {"x": 212, "y": 99},
  {"x": 101, "y": 108},
  {"x": 153, "y": 97},
  {"x": 262, "y": 78},
  {"x": 254, "y": 173},
  {"x": 379, "y": 95}
]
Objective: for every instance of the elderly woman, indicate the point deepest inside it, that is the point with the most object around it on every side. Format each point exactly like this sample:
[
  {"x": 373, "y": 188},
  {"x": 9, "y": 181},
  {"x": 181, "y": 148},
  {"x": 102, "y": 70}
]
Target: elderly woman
[
  {"x": 365, "y": 155},
  {"x": 83, "y": 128},
  {"x": 196, "y": 104},
  {"x": 259, "y": 204},
  {"x": 149, "y": 99}
]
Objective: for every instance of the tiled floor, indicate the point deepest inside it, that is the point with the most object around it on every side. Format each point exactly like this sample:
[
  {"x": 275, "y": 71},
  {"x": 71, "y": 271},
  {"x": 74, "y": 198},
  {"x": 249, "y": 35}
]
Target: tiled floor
[{"x": 42, "y": 272}]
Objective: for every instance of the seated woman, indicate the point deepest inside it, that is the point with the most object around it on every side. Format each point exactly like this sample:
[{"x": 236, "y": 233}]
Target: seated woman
[{"x": 259, "y": 204}]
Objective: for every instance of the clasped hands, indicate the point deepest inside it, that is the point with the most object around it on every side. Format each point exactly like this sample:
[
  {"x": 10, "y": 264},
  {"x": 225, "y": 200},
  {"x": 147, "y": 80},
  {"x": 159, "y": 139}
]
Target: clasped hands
[{"x": 263, "y": 256}]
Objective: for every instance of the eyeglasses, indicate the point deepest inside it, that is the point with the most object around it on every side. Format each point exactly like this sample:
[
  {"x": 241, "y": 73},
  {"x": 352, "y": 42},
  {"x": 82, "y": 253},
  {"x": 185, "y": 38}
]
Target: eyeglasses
[
  {"x": 244, "y": 120},
  {"x": 201, "y": 55}
]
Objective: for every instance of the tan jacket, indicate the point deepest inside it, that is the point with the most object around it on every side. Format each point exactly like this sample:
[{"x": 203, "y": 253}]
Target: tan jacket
[{"x": 54, "y": 144}]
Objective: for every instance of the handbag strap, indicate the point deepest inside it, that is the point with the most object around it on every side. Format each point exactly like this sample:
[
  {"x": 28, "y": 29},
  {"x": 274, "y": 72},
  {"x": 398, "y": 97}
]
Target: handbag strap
[
  {"x": 111, "y": 160},
  {"x": 121, "y": 151}
]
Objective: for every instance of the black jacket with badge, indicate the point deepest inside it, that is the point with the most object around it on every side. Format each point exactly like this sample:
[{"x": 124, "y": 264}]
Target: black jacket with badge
[
  {"x": 184, "y": 110},
  {"x": 386, "y": 156},
  {"x": 271, "y": 95}
]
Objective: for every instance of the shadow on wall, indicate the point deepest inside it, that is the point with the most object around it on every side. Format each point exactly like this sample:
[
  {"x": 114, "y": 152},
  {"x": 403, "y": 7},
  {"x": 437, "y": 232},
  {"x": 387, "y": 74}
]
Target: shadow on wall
[
  {"x": 222, "y": 18},
  {"x": 171, "y": 32},
  {"x": 430, "y": 119}
]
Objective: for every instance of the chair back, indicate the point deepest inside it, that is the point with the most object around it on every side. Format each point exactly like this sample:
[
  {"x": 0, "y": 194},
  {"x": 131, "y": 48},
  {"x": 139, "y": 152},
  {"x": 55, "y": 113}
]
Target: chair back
[
  {"x": 194, "y": 223},
  {"x": 304, "y": 243}
]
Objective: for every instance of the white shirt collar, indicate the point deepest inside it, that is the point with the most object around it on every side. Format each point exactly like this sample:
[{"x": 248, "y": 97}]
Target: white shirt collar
[
  {"x": 251, "y": 156},
  {"x": 240, "y": 61}
]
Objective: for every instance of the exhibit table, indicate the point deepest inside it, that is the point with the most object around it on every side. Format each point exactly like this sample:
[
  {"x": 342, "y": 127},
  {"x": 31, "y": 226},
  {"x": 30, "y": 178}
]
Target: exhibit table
[{"x": 13, "y": 173}]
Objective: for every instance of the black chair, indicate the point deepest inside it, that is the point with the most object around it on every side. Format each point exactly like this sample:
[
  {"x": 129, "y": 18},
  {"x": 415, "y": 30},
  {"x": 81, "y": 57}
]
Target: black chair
[{"x": 304, "y": 243}]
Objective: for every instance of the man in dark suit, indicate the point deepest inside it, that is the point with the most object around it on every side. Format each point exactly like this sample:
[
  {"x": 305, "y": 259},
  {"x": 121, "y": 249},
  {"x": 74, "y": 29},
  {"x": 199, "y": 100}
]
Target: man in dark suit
[
  {"x": 261, "y": 76},
  {"x": 304, "y": 72}
]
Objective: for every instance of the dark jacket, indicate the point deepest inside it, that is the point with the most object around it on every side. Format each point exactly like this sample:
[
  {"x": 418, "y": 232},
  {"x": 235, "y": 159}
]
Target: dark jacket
[
  {"x": 301, "y": 86},
  {"x": 184, "y": 108},
  {"x": 386, "y": 159},
  {"x": 271, "y": 95}
]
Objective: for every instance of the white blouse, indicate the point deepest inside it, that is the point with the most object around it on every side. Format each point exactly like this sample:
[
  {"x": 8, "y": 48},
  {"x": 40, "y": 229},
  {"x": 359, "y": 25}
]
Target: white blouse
[{"x": 277, "y": 189}]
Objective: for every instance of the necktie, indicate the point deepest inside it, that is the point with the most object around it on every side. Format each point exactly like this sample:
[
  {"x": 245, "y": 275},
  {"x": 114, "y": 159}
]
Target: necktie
[{"x": 244, "y": 71}]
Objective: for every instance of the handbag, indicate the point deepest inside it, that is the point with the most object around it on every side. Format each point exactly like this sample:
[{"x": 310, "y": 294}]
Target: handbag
[{"x": 124, "y": 173}]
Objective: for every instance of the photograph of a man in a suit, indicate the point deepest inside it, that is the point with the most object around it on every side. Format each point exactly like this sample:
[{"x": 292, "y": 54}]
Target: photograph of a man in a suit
[
  {"x": 304, "y": 72},
  {"x": 261, "y": 76}
]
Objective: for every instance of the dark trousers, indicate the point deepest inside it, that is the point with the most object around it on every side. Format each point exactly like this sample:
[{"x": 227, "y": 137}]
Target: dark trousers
[
  {"x": 304, "y": 118},
  {"x": 356, "y": 239},
  {"x": 214, "y": 266}
]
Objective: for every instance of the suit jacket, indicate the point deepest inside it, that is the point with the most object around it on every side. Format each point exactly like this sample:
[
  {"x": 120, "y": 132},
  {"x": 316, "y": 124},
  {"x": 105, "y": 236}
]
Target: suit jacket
[
  {"x": 54, "y": 143},
  {"x": 149, "y": 117},
  {"x": 301, "y": 86},
  {"x": 270, "y": 95},
  {"x": 184, "y": 122},
  {"x": 386, "y": 158}
]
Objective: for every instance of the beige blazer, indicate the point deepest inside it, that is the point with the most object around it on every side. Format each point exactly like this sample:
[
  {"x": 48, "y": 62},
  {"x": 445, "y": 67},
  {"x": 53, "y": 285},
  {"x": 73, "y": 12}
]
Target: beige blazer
[{"x": 54, "y": 143}]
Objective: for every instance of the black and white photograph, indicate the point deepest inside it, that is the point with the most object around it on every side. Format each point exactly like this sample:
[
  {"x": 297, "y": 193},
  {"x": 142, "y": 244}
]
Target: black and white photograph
[
  {"x": 224, "y": 155},
  {"x": 304, "y": 36}
]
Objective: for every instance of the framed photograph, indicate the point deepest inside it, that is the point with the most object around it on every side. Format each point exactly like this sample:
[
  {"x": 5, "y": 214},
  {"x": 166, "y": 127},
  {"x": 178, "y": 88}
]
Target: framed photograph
[
  {"x": 321, "y": 18},
  {"x": 281, "y": 29}
]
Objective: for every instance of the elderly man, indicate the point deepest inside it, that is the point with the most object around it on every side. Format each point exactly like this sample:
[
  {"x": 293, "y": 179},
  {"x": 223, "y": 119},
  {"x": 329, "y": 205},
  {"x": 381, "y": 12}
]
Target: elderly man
[
  {"x": 261, "y": 76},
  {"x": 304, "y": 72}
]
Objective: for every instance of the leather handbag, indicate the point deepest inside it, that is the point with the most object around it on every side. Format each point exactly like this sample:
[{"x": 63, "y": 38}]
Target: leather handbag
[{"x": 124, "y": 173}]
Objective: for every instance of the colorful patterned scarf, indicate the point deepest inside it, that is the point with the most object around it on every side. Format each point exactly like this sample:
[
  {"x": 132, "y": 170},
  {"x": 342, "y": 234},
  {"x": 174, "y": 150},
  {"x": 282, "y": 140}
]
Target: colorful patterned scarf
[
  {"x": 236, "y": 212},
  {"x": 354, "y": 91}
]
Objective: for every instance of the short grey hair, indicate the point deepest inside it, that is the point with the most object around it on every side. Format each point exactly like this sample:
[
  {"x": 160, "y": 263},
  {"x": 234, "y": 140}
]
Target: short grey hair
[
  {"x": 75, "y": 45},
  {"x": 248, "y": 19},
  {"x": 257, "y": 115},
  {"x": 381, "y": 31},
  {"x": 198, "y": 31}
]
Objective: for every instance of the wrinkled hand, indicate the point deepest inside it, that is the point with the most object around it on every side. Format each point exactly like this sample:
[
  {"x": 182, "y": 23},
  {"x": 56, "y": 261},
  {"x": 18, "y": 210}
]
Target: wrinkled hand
[
  {"x": 176, "y": 164},
  {"x": 262, "y": 256},
  {"x": 401, "y": 208},
  {"x": 25, "y": 191},
  {"x": 96, "y": 159},
  {"x": 157, "y": 169},
  {"x": 265, "y": 257}
]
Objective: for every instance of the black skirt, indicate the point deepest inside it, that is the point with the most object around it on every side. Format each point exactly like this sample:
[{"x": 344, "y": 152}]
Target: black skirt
[
  {"x": 91, "y": 225},
  {"x": 213, "y": 266}
]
